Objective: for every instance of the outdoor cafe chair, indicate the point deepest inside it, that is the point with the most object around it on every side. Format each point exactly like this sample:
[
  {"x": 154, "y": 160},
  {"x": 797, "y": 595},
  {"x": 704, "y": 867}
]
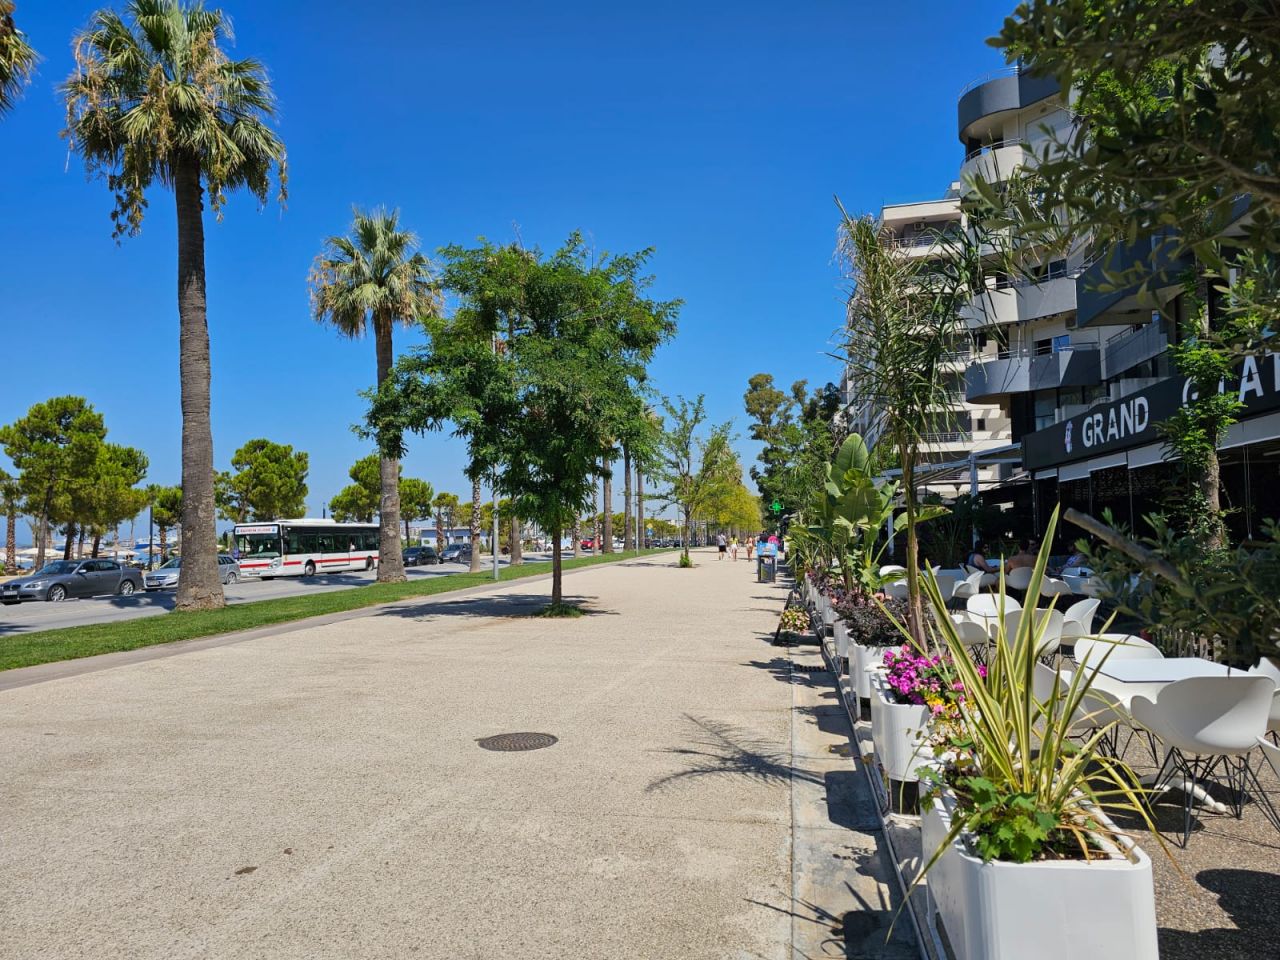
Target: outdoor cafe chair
[
  {"x": 1053, "y": 587},
  {"x": 1047, "y": 629},
  {"x": 1271, "y": 753},
  {"x": 1207, "y": 724},
  {"x": 985, "y": 609},
  {"x": 1018, "y": 579},
  {"x": 946, "y": 586},
  {"x": 1266, "y": 668},
  {"x": 1090, "y": 651},
  {"x": 1078, "y": 618},
  {"x": 889, "y": 568},
  {"x": 970, "y": 586}
]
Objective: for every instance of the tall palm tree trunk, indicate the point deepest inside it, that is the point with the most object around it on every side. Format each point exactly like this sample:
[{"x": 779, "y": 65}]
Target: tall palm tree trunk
[
  {"x": 475, "y": 526},
  {"x": 390, "y": 553},
  {"x": 627, "y": 542},
  {"x": 199, "y": 587},
  {"x": 11, "y": 541},
  {"x": 606, "y": 505}
]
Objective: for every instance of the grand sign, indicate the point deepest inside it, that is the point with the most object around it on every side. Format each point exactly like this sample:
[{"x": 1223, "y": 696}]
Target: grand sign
[{"x": 1131, "y": 421}]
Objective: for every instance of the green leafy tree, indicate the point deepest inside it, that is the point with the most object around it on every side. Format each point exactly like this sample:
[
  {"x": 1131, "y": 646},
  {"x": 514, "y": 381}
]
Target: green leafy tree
[
  {"x": 11, "y": 504},
  {"x": 445, "y": 506},
  {"x": 166, "y": 513},
  {"x": 696, "y": 471},
  {"x": 155, "y": 98},
  {"x": 798, "y": 436},
  {"x": 360, "y": 500},
  {"x": 416, "y": 498},
  {"x": 376, "y": 278},
  {"x": 110, "y": 494},
  {"x": 17, "y": 59},
  {"x": 533, "y": 371},
  {"x": 269, "y": 482},
  {"x": 53, "y": 448}
]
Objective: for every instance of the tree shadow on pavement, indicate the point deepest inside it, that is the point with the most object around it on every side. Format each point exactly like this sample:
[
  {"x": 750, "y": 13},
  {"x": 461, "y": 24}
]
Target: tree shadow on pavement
[
  {"x": 1249, "y": 898},
  {"x": 490, "y": 605},
  {"x": 718, "y": 749}
]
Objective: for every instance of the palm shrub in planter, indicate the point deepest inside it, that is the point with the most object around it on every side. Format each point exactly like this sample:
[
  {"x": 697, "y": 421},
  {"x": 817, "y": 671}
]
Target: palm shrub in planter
[{"x": 1016, "y": 824}]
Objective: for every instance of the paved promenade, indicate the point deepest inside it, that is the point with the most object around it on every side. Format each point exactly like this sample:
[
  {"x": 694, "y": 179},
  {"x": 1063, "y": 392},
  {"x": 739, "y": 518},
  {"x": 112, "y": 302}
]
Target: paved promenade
[{"x": 320, "y": 792}]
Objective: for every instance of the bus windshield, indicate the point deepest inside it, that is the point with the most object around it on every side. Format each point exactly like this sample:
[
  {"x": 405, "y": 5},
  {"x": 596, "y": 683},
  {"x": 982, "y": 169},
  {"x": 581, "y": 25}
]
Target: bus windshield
[{"x": 258, "y": 544}]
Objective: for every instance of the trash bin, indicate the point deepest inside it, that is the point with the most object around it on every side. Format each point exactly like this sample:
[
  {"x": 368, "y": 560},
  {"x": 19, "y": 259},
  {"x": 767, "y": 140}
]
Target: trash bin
[{"x": 768, "y": 569}]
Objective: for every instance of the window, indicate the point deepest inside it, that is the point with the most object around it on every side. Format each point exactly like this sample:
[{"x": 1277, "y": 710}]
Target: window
[
  {"x": 980, "y": 424},
  {"x": 327, "y": 545},
  {"x": 371, "y": 540}
]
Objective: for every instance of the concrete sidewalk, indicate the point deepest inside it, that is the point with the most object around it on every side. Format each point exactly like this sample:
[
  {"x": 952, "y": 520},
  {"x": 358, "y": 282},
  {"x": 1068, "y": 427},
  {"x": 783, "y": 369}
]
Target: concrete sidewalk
[{"x": 320, "y": 792}]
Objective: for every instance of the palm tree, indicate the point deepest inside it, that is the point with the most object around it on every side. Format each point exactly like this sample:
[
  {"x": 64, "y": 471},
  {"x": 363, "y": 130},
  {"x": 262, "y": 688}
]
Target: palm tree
[
  {"x": 17, "y": 59},
  {"x": 10, "y": 503},
  {"x": 376, "y": 277},
  {"x": 154, "y": 98}
]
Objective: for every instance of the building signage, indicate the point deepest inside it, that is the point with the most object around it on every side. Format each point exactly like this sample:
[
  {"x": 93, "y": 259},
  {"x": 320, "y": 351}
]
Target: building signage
[{"x": 1131, "y": 421}]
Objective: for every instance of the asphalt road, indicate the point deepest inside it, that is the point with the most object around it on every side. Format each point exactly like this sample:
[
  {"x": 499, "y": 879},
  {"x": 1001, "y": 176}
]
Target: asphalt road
[{"x": 35, "y": 615}]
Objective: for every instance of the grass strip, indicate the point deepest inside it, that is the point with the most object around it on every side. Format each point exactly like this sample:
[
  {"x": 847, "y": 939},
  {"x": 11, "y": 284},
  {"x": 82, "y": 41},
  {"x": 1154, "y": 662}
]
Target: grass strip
[{"x": 70, "y": 643}]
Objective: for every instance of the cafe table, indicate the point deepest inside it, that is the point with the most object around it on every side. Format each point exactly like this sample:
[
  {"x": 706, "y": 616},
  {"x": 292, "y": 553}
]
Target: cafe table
[{"x": 1126, "y": 679}]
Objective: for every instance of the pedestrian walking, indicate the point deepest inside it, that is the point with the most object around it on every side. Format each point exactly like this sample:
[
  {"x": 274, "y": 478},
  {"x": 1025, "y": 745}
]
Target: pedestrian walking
[
  {"x": 733, "y": 547},
  {"x": 751, "y": 545},
  {"x": 723, "y": 544}
]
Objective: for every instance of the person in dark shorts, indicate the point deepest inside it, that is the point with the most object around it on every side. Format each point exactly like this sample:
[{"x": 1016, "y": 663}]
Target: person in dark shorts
[{"x": 723, "y": 544}]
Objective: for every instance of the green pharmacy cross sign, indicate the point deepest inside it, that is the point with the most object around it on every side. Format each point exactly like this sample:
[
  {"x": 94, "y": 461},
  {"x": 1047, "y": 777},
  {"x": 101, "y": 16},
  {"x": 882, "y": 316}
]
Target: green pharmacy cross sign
[{"x": 776, "y": 506}]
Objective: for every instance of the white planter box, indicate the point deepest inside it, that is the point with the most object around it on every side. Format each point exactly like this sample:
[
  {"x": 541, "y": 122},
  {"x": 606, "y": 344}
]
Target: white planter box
[
  {"x": 841, "y": 634},
  {"x": 895, "y": 728},
  {"x": 1056, "y": 910},
  {"x": 862, "y": 657}
]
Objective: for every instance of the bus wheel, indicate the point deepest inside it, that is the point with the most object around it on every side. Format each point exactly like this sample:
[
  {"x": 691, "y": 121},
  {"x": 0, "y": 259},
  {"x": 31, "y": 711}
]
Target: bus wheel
[{"x": 309, "y": 570}]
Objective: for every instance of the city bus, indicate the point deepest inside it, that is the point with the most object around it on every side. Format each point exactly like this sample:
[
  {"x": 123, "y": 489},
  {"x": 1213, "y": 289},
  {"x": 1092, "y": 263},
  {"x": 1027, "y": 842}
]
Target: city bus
[{"x": 302, "y": 548}]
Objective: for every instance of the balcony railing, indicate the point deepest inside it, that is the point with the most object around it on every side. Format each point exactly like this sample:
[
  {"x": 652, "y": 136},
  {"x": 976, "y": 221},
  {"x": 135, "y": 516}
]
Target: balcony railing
[
  {"x": 1126, "y": 350},
  {"x": 925, "y": 238},
  {"x": 991, "y": 147},
  {"x": 954, "y": 436},
  {"x": 989, "y": 75}
]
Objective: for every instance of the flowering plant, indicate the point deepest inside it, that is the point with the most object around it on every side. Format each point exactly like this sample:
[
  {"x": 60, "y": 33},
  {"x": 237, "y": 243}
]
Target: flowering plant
[
  {"x": 794, "y": 620},
  {"x": 925, "y": 681},
  {"x": 868, "y": 620}
]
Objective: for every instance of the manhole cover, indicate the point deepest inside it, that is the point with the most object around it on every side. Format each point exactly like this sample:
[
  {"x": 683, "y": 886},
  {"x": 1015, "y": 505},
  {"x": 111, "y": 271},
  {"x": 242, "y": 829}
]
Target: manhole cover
[{"x": 510, "y": 742}]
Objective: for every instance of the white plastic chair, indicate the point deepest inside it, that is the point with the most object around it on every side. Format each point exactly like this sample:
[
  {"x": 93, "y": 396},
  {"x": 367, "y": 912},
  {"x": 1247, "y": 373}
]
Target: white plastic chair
[
  {"x": 897, "y": 590},
  {"x": 1266, "y": 668},
  {"x": 971, "y": 586},
  {"x": 974, "y": 636},
  {"x": 946, "y": 586},
  {"x": 889, "y": 568},
  {"x": 1018, "y": 579},
  {"x": 1047, "y": 629},
  {"x": 1207, "y": 723},
  {"x": 1078, "y": 618},
  {"x": 1053, "y": 587},
  {"x": 984, "y": 608}
]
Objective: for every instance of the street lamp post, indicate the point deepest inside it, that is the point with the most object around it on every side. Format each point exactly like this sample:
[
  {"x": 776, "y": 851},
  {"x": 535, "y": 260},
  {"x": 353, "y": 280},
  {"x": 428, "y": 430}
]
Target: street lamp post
[{"x": 495, "y": 526}]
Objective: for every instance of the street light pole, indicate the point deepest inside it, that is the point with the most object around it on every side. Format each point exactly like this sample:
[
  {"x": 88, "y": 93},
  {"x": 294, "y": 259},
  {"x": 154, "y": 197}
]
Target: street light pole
[{"x": 495, "y": 526}]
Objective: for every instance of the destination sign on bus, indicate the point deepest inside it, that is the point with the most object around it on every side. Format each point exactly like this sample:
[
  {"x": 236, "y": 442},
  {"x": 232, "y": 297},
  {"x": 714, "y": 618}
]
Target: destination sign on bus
[{"x": 260, "y": 528}]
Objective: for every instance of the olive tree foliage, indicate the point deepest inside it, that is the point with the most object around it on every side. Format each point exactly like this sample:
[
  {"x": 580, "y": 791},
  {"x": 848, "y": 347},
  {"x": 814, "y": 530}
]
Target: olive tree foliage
[
  {"x": 267, "y": 481},
  {"x": 17, "y": 58},
  {"x": 902, "y": 320},
  {"x": 695, "y": 471},
  {"x": 537, "y": 371},
  {"x": 154, "y": 99},
  {"x": 1174, "y": 159}
]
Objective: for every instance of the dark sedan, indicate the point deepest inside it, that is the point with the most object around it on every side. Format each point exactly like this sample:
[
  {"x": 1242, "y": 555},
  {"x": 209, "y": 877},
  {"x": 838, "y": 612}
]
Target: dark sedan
[
  {"x": 418, "y": 556},
  {"x": 62, "y": 579}
]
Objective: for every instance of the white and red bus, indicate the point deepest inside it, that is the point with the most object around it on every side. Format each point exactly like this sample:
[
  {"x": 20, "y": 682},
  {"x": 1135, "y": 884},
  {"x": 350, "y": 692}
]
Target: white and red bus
[{"x": 302, "y": 548}]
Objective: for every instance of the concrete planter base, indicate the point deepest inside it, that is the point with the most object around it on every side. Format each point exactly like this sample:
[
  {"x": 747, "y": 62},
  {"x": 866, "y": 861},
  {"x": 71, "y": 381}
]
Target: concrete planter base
[{"x": 895, "y": 730}]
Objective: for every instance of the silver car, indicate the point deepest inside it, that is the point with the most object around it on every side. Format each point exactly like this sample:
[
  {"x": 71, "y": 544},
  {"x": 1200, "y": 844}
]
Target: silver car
[
  {"x": 61, "y": 579},
  {"x": 166, "y": 577}
]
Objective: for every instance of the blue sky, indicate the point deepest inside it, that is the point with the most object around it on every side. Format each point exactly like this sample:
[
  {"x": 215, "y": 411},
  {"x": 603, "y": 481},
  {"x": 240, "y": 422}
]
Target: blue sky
[{"x": 715, "y": 133}]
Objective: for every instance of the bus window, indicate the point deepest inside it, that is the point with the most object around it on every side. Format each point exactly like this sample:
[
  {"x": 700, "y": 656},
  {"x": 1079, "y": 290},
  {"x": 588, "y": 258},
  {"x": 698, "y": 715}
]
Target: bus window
[
  {"x": 258, "y": 545},
  {"x": 371, "y": 540},
  {"x": 327, "y": 544}
]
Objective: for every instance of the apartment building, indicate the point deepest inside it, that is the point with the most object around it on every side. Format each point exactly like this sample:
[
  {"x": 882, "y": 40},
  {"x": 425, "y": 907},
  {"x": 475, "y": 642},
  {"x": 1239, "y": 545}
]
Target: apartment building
[{"x": 1062, "y": 381}]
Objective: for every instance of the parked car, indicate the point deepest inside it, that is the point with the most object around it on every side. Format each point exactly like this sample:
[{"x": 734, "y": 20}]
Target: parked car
[
  {"x": 417, "y": 556},
  {"x": 587, "y": 543},
  {"x": 166, "y": 577},
  {"x": 61, "y": 579},
  {"x": 457, "y": 553}
]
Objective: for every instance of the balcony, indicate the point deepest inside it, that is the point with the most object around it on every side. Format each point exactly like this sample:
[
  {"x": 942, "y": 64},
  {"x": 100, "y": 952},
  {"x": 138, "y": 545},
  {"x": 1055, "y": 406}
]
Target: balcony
[
  {"x": 1011, "y": 89},
  {"x": 1101, "y": 301},
  {"x": 1076, "y": 366},
  {"x": 1126, "y": 350},
  {"x": 1021, "y": 302},
  {"x": 993, "y": 163}
]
